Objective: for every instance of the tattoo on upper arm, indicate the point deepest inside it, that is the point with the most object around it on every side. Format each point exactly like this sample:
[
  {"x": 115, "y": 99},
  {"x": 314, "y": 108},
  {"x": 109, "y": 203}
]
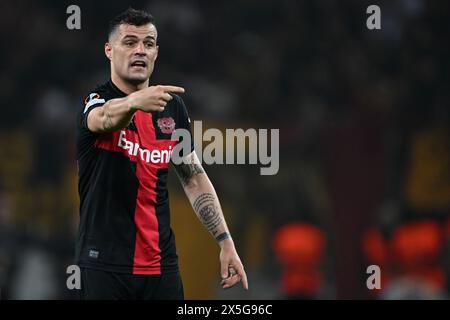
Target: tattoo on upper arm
[
  {"x": 208, "y": 212},
  {"x": 186, "y": 171}
]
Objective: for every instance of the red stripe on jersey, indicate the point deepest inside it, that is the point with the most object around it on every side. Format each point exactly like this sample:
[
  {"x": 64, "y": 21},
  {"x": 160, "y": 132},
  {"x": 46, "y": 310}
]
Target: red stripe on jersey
[{"x": 146, "y": 252}]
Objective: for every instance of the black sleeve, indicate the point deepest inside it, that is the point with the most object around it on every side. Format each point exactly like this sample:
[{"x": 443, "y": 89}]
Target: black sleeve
[
  {"x": 85, "y": 137},
  {"x": 90, "y": 102},
  {"x": 183, "y": 118}
]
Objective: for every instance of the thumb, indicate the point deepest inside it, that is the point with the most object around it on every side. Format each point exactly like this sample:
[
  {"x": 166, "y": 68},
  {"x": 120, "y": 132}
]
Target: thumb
[{"x": 224, "y": 270}]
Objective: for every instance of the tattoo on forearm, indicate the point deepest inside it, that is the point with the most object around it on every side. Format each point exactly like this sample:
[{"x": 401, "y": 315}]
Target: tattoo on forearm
[
  {"x": 186, "y": 171},
  {"x": 109, "y": 124},
  {"x": 208, "y": 212},
  {"x": 223, "y": 236}
]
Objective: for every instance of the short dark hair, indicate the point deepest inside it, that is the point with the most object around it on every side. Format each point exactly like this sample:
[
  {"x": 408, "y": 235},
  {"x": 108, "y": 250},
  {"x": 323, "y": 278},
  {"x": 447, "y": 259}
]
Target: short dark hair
[{"x": 132, "y": 17}]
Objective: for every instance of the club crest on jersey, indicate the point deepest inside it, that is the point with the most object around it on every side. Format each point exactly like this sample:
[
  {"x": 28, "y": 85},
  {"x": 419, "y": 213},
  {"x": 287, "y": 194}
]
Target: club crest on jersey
[{"x": 167, "y": 124}]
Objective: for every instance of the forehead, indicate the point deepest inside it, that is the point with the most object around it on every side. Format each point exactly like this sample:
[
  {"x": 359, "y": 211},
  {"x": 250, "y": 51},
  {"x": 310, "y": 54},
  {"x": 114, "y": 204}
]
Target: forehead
[{"x": 148, "y": 30}]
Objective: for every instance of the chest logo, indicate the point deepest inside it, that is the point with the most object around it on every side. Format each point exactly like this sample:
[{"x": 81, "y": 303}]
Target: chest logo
[{"x": 167, "y": 124}]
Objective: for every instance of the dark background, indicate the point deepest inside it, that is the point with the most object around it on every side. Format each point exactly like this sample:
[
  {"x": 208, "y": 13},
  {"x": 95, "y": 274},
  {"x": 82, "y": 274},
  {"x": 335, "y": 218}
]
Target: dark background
[{"x": 364, "y": 141}]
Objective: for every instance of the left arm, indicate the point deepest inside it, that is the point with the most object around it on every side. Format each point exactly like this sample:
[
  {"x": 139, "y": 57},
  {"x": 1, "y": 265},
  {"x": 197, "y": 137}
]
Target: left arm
[{"x": 205, "y": 203}]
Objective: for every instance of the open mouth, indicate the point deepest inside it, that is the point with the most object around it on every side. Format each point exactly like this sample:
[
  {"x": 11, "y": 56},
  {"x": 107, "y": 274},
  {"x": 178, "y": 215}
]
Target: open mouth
[{"x": 139, "y": 64}]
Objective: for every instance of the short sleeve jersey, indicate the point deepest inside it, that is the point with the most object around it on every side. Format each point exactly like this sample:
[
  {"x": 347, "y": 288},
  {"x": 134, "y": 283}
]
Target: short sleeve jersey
[{"x": 124, "y": 204}]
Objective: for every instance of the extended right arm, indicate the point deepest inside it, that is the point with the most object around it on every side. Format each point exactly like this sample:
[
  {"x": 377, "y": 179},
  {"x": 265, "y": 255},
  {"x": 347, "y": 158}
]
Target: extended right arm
[{"x": 118, "y": 113}]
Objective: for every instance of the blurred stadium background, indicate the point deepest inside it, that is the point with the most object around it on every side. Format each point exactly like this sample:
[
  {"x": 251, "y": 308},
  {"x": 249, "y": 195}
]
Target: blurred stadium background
[{"x": 364, "y": 141}]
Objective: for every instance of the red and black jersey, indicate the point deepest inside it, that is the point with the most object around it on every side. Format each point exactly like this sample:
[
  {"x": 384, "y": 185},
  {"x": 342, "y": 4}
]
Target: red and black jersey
[{"x": 124, "y": 203}]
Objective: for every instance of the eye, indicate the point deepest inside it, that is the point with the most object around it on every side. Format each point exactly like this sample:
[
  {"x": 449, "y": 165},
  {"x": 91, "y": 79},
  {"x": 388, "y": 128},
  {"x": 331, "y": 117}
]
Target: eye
[
  {"x": 149, "y": 44},
  {"x": 129, "y": 43}
]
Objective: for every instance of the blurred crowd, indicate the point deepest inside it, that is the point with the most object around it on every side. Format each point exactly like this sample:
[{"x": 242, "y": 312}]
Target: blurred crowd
[{"x": 364, "y": 141}]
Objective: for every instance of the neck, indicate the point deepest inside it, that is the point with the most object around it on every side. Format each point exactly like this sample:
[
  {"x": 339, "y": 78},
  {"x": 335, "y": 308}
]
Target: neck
[{"x": 126, "y": 86}]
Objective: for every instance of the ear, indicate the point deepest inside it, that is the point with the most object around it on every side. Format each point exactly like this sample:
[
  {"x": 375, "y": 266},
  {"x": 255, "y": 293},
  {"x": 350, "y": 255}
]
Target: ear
[
  {"x": 108, "y": 50},
  {"x": 157, "y": 51}
]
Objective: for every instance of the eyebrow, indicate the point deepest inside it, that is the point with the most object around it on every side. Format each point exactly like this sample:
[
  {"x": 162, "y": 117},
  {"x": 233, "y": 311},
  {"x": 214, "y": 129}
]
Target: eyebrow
[{"x": 129, "y": 36}]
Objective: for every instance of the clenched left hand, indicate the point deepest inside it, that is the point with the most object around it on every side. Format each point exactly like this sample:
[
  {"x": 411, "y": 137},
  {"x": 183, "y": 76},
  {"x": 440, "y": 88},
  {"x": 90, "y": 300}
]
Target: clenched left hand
[{"x": 231, "y": 267}]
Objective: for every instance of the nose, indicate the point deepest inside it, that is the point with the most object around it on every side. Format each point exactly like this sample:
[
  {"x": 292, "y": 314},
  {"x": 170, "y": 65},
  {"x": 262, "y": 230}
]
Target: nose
[{"x": 140, "y": 49}]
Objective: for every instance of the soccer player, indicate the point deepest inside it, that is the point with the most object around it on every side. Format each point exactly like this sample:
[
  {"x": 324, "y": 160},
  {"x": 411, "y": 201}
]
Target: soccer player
[{"x": 125, "y": 245}]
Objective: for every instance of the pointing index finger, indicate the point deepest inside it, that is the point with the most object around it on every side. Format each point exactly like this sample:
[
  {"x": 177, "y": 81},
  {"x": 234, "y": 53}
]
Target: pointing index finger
[{"x": 173, "y": 89}]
